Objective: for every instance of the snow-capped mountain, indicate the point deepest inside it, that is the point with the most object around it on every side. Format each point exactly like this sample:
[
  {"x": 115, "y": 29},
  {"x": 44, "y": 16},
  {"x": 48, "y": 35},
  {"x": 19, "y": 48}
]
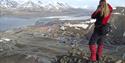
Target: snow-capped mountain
[
  {"x": 41, "y": 5},
  {"x": 8, "y": 3},
  {"x": 62, "y": 5},
  {"x": 36, "y": 5},
  {"x": 29, "y": 4},
  {"x": 49, "y": 6},
  {"x": 57, "y": 6}
]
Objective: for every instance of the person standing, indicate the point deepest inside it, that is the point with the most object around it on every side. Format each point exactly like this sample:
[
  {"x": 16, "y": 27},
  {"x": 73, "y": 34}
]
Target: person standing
[{"x": 102, "y": 16}]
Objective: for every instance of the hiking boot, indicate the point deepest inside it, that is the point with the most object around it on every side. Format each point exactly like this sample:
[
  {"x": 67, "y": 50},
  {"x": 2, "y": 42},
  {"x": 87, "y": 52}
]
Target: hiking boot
[
  {"x": 99, "y": 54},
  {"x": 99, "y": 51},
  {"x": 93, "y": 52}
]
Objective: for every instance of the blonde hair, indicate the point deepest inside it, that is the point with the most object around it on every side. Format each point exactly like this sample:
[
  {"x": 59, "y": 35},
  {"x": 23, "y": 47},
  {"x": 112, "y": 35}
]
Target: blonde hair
[{"x": 105, "y": 9}]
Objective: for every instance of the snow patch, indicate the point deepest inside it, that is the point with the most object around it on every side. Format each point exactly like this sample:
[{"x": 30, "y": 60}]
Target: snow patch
[
  {"x": 117, "y": 13},
  {"x": 62, "y": 27},
  {"x": 90, "y": 21},
  {"x": 77, "y": 25},
  {"x": 5, "y": 39},
  {"x": 8, "y": 3},
  {"x": 1, "y": 40},
  {"x": 29, "y": 4}
]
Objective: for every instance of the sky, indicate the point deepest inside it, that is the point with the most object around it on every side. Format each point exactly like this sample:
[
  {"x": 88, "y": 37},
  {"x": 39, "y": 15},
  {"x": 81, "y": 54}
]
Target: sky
[{"x": 91, "y": 4}]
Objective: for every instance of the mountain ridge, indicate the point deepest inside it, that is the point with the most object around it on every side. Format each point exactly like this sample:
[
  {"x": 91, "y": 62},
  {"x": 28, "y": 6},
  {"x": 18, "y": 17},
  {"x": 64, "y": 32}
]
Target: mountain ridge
[{"x": 31, "y": 4}]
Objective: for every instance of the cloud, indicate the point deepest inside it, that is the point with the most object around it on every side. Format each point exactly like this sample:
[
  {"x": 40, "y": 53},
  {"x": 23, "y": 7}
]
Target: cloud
[{"x": 85, "y": 6}]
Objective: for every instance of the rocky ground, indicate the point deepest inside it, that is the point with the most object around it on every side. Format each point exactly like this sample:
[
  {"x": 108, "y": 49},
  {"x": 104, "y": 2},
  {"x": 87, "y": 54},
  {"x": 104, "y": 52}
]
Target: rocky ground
[{"x": 23, "y": 46}]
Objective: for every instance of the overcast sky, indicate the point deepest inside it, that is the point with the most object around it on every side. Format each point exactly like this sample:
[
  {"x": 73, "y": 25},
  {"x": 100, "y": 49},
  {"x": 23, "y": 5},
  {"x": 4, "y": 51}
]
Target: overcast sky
[{"x": 82, "y": 3}]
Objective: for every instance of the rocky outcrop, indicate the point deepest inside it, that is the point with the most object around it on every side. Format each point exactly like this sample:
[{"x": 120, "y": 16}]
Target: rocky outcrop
[{"x": 118, "y": 23}]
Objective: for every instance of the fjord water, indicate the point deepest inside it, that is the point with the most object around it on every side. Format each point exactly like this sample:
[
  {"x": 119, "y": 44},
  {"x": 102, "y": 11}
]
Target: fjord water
[{"x": 7, "y": 23}]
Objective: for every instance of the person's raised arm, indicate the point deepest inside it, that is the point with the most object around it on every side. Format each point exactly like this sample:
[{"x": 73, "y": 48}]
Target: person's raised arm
[{"x": 93, "y": 16}]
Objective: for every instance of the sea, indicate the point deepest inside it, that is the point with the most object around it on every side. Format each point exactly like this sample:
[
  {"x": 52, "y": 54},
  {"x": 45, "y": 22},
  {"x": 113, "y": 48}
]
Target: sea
[{"x": 7, "y": 23}]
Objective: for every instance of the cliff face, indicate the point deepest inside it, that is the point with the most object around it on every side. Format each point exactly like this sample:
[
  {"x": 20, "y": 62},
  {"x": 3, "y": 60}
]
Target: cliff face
[{"x": 118, "y": 22}]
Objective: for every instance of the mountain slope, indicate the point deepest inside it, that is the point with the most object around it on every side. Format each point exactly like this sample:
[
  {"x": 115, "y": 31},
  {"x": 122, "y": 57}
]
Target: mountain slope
[
  {"x": 29, "y": 4},
  {"x": 8, "y": 3}
]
